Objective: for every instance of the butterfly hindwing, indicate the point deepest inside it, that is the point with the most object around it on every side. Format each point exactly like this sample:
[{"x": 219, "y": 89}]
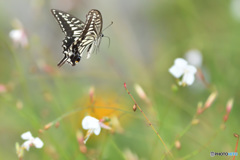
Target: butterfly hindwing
[{"x": 66, "y": 43}]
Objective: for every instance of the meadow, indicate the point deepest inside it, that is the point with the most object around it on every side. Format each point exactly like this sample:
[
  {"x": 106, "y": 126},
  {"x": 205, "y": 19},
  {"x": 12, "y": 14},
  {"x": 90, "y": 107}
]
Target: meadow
[{"x": 142, "y": 110}]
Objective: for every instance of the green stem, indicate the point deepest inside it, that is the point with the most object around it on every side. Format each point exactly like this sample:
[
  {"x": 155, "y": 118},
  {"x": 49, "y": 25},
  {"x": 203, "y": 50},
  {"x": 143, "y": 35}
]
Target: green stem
[{"x": 149, "y": 122}]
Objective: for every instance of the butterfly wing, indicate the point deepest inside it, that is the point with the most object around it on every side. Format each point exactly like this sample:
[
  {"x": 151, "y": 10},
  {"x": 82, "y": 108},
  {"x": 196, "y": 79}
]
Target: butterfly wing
[
  {"x": 97, "y": 18},
  {"x": 94, "y": 31},
  {"x": 70, "y": 25},
  {"x": 80, "y": 36}
]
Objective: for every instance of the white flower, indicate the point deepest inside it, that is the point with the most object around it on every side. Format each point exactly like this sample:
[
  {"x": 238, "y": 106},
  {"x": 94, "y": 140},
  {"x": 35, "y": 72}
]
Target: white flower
[
  {"x": 30, "y": 140},
  {"x": 18, "y": 34},
  {"x": 194, "y": 57},
  {"x": 19, "y": 37},
  {"x": 235, "y": 9},
  {"x": 181, "y": 68},
  {"x": 93, "y": 125}
]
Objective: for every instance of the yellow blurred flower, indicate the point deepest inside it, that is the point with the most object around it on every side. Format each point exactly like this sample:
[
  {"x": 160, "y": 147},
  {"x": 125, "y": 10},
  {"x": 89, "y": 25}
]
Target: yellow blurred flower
[{"x": 104, "y": 106}]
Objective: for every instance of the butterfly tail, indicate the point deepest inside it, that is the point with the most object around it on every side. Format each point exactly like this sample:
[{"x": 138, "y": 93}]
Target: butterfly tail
[{"x": 65, "y": 58}]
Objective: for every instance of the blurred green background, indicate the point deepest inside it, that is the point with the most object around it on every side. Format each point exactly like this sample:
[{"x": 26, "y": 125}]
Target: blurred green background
[{"x": 146, "y": 38}]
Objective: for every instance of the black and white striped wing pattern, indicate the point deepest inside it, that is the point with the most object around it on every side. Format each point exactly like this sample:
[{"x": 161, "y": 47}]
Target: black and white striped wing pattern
[
  {"x": 92, "y": 33},
  {"x": 70, "y": 25},
  {"x": 80, "y": 36}
]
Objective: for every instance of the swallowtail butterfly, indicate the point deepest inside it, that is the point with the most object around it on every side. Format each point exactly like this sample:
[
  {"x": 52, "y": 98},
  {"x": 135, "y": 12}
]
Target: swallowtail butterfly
[{"x": 80, "y": 36}]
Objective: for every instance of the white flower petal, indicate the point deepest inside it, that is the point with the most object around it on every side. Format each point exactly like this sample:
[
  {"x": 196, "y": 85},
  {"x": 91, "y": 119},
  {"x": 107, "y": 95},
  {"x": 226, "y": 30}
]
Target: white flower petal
[
  {"x": 27, "y": 145},
  {"x": 176, "y": 71},
  {"x": 38, "y": 143},
  {"x": 89, "y": 122},
  {"x": 15, "y": 34},
  {"x": 191, "y": 69},
  {"x": 19, "y": 37},
  {"x": 194, "y": 57},
  {"x": 105, "y": 126},
  {"x": 188, "y": 78},
  {"x": 27, "y": 135},
  {"x": 235, "y": 9},
  {"x": 180, "y": 62},
  {"x": 97, "y": 130}
]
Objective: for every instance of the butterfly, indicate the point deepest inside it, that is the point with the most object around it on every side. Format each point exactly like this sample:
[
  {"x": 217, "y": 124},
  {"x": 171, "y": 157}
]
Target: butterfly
[{"x": 79, "y": 35}]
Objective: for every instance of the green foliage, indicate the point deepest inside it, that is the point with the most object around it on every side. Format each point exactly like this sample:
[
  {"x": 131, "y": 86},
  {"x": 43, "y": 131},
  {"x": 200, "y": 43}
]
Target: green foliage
[{"x": 146, "y": 38}]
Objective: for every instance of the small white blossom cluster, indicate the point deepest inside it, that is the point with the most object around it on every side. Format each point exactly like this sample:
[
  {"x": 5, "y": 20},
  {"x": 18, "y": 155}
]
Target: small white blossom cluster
[
  {"x": 235, "y": 9},
  {"x": 93, "y": 125},
  {"x": 31, "y": 141},
  {"x": 18, "y": 34},
  {"x": 182, "y": 69},
  {"x": 185, "y": 71}
]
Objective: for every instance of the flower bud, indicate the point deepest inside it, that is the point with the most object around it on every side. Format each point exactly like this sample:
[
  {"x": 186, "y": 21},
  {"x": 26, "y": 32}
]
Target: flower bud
[
  {"x": 134, "y": 107},
  {"x": 225, "y": 118},
  {"x": 57, "y": 124},
  {"x": 236, "y": 135},
  {"x": 47, "y": 126},
  {"x": 178, "y": 144},
  {"x": 125, "y": 85},
  {"x": 140, "y": 92},
  {"x": 210, "y": 99},
  {"x": 229, "y": 105}
]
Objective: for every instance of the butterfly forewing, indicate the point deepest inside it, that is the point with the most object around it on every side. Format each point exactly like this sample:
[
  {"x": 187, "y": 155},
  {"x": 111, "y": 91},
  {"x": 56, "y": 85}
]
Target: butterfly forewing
[
  {"x": 97, "y": 17},
  {"x": 70, "y": 25}
]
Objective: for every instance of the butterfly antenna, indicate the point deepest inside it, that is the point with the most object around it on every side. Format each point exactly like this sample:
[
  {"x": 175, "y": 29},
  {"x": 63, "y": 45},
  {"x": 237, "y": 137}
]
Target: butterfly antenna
[
  {"x": 108, "y": 26},
  {"x": 106, "y": 36}
]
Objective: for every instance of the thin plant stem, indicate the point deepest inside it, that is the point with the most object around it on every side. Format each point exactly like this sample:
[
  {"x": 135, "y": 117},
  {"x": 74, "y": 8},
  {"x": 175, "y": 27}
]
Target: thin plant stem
[
  {"x": 195, "y": 152},
  {"x": 187, "y": 128},
  {"x": 149, "y": 122},
  {"x": 81, "y": 109},
  {"x": 236, "y": 135},
  {"x": 191, "y": 124}
]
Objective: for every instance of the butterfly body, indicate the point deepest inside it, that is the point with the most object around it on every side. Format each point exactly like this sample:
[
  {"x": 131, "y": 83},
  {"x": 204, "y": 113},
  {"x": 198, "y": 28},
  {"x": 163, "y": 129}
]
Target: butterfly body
[{"x": 80, "y": 36}]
